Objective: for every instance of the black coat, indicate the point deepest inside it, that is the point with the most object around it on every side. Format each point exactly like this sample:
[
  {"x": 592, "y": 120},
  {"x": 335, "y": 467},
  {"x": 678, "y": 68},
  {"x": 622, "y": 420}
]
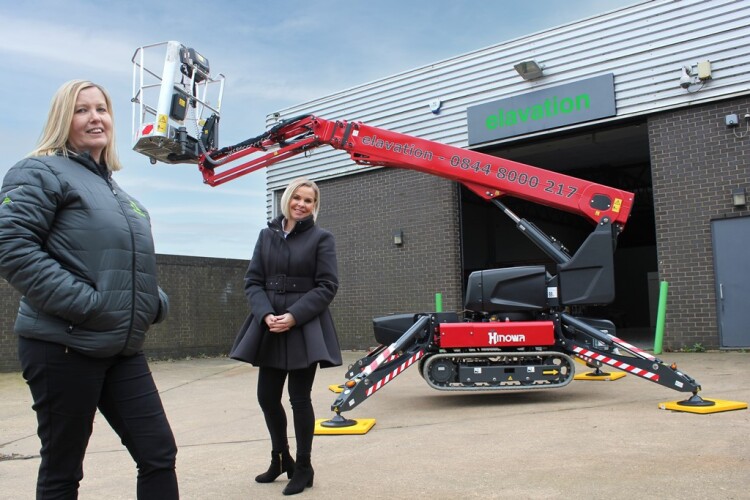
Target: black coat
[{"x": 307, "y": 254}]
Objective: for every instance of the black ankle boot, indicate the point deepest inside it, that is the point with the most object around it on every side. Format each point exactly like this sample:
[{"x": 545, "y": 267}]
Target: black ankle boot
[
  {"x": 302, "y": 478},
  {"x": 281, "y": 461}
]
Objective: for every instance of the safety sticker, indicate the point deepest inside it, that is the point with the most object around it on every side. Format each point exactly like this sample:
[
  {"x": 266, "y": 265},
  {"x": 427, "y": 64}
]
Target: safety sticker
[
  {"x": 616, "y": 205},
  {"x": 161, "y": 124}
]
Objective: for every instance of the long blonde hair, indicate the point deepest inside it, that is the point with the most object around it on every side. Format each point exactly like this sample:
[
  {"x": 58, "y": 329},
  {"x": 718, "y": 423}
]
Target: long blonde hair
[
  {"x": 54, "y": 138},
  {"x": 286, "y": 198}
]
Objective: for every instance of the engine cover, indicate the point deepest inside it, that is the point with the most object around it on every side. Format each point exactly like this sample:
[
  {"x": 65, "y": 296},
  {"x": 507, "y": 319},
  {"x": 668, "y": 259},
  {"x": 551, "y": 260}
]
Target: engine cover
[{"x": 507, "y": 289}]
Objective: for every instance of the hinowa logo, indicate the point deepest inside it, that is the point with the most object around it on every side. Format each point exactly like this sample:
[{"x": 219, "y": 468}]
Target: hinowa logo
[{"x": 549, "y": 108}]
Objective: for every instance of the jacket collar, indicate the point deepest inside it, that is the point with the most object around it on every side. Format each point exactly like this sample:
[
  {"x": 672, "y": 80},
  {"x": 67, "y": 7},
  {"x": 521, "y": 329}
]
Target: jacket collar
[
  {"x": 87, "y": 161},
  {"x": 303, "y": 225}
]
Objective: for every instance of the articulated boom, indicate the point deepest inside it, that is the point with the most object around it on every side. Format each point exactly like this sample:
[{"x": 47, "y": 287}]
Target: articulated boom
[{"x": 488, "y": 176}]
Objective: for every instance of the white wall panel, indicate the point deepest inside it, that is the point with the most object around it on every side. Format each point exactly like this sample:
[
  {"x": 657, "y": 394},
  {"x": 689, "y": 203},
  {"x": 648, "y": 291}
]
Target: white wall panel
[{"x": 643, "y": 45}]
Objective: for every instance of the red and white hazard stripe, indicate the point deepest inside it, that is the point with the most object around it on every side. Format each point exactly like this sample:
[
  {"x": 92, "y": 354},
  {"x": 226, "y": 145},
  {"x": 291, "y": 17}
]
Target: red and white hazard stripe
[
  {"x": 383, "y": 356},
  {"x": 634, "y": 349},
  {"x": 585, "y": 353},
  {"x": 394, "y": 373}
]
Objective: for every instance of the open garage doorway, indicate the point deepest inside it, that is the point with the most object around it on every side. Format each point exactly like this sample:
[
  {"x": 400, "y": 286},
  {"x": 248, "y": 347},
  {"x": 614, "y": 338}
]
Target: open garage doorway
[{"x": 616, "y": 156}]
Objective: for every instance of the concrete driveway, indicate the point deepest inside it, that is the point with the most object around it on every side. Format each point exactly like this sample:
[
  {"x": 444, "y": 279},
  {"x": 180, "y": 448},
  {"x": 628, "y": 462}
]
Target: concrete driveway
[{"x": 588, "y": 440}]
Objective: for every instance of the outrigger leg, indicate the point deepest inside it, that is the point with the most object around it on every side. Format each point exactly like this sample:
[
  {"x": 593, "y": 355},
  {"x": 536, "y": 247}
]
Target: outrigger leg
[{"x": 389, "y": 363}]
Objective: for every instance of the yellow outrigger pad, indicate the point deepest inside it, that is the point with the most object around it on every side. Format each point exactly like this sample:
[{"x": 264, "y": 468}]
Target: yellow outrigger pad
[
  {"x": 599, "y": 376},
  {"x": 596, "y": 375},
  {"x": 361, "y": 426},
  {"x": 336, "y": 388},
  {"x": 718, "y": 405}
]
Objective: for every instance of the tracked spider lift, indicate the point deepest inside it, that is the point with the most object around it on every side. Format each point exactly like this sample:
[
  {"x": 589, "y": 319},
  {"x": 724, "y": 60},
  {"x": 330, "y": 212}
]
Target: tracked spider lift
[{"x": 517, "y": 332}]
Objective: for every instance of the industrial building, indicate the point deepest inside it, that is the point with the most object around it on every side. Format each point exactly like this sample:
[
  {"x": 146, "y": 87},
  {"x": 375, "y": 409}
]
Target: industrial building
[{"x": 653, "y": 98}]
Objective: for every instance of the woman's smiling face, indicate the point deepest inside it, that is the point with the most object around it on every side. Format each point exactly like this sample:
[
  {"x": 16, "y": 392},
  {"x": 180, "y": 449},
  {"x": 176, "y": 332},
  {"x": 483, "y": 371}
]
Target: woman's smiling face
[
  {"x": 302, "y": 203},
  {"x": 92, "y": 123}
]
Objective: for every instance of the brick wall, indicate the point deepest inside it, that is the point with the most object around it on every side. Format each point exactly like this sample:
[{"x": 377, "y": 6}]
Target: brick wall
[
  {"x": 8, "y": 309},
  {"x": 695, "y": 162},
  {"x": 207, "y": 306},
  {"x": 376, "y": 276}
]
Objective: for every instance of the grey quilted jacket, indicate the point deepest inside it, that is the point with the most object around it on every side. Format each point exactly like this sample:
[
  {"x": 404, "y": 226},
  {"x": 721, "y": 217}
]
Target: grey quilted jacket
[{"x": 81, "y": 253}]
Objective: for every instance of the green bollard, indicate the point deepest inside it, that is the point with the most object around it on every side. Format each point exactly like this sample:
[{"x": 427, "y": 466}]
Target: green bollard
[
  {"x": 439, "y": 302},
  {"x": 661, "y": 315}
]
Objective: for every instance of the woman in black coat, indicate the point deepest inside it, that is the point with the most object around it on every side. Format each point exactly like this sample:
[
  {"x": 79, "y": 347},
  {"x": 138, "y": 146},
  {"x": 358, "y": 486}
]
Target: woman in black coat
[{"x": 291, "y": 280}]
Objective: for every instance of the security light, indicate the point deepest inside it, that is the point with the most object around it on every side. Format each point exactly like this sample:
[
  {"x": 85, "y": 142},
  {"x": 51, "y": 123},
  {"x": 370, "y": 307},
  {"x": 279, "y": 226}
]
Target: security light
[
  {"x": 529, "y": 70},
  {"x": 739, "y": 197}
]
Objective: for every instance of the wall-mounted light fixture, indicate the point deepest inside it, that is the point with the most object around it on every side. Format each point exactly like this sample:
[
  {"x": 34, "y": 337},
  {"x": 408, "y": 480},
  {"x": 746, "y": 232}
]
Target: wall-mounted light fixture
[
  {"x": 398, "y": 237},
  {"x": 694, "y": 75},
  {"x": 739, "y": 197},
  {"x": 529, "y": 70},
  {"x": 686, "y": 77}
]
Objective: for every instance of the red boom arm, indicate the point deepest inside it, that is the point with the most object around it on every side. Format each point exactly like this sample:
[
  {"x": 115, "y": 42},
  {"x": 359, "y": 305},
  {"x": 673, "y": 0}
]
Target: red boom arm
[{"x": 487, "y": 176}]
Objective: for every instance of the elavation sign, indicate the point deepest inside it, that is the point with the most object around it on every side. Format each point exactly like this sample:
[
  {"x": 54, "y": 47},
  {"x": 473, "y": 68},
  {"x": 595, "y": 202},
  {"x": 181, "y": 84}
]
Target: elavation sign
[{"x": 544, "y": 109}]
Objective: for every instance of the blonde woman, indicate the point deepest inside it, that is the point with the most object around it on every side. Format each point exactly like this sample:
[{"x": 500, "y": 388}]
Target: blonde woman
[
  {"x": 291, "y": 280},
  {"x": 80, "y": 251}
]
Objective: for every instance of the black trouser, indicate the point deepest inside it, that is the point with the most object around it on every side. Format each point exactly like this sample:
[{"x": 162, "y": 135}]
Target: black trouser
[
  {"x": 270, "y": 389},
  {"x": 67, "y": 388}
]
